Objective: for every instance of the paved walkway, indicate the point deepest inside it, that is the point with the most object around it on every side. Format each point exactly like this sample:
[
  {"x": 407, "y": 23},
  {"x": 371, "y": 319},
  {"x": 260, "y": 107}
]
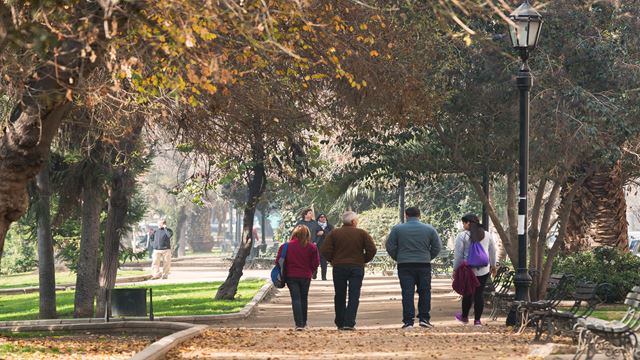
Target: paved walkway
[{"x": 195, "y": 269}]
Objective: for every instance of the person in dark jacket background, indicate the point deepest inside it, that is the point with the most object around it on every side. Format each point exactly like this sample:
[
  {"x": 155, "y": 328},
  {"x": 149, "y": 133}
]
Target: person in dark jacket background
[
  {"x": 306, "y": 218},
  {"x": 161, "y": 240},
  {"x": 301, "y": 260},
  {"x": 324, "y": 229}
]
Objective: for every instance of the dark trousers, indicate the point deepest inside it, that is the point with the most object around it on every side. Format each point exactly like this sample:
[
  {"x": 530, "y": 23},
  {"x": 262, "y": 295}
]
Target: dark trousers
[
  {"x": 299, "y": 291},
  {"x": 412, "y": 278},
  {"x": 347, "y": 277},
  {"x": 476, "y": 299},
  {"x": 323, "y": 267}
]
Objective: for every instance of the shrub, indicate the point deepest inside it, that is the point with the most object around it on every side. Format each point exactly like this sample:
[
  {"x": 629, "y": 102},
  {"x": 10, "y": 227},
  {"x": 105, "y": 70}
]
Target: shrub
[
  {"x": 19, "y": 252},
  {"x": 378, "y": 222},
  {"x": 603, "y": 265}
]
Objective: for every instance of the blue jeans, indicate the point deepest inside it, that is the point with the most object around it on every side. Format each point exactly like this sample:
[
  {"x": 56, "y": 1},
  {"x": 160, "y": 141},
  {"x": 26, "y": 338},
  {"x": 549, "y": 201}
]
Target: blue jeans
[
  {"x": 299, "y": 291},
  {"x": 347, "y": 277},
  {"x": 410, "y": 279}
]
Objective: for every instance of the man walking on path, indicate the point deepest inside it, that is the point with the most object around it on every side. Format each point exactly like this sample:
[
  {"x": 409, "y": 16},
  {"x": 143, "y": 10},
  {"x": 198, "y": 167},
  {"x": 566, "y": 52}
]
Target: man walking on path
[
  {"x": 348, "y": 249},
  {"x": 413, "y": 245},
  {"x": 161, "y": 251}
]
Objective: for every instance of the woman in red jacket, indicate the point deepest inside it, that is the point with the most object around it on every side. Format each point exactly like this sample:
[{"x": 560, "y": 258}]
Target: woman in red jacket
[{"x": 301, "y": 261}]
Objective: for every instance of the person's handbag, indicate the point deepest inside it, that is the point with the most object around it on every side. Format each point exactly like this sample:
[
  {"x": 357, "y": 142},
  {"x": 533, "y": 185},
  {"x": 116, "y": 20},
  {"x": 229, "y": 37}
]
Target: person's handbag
[{"x": 277, "y": 273}]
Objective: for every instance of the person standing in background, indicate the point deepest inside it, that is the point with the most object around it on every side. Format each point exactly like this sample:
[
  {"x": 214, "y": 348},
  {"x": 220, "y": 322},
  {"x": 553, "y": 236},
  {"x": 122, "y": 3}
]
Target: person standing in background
[
  {"x": 324, "y": 229},
  {"x": 161, "y": 251}
]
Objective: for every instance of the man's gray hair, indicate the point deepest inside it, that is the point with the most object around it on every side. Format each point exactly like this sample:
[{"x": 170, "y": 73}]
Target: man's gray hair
[{"x": 348, "y": 217}]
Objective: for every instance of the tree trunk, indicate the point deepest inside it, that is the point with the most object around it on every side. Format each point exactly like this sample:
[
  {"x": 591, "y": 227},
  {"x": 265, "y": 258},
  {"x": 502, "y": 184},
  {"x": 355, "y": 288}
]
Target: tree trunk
[
  {"x": 401, "y": 203},
  {"x": 564, "y": 212},
  {"x": 181, "y": 240},
  {"x": 34, "y": 122},
  {"x": 46, "y": 264},
  {"x": 86, "y": 281},
  {"x": 497, "y": 224},
  {"x": 122, "y": 184},
  {"x": 599, "y": 213},
  {"x": 257, "y": 185},
  {"x": 200, "y": 229}
]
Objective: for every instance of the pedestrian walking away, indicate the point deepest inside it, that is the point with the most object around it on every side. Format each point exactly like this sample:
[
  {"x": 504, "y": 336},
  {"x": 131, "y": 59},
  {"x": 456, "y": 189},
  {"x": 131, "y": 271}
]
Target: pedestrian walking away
[
  {"x": 413, "y": 245},
  {"x": 161, "y": 251},
  {"x": 476, "y": 248},
  {"x": 348, "y": 249},
  {"x": 324, "y": 229},
  {"x": 301, "y": 261}
]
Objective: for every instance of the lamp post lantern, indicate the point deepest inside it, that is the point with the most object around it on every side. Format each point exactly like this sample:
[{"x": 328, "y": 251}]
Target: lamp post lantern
[{"x": 524, "y": 29}]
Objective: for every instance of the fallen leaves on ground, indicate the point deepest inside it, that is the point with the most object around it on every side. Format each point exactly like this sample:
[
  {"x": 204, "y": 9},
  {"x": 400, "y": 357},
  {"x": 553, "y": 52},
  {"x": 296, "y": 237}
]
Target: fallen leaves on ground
[
  {"x": 83, "y": 346},
  {"x": 441, "y": 342}
]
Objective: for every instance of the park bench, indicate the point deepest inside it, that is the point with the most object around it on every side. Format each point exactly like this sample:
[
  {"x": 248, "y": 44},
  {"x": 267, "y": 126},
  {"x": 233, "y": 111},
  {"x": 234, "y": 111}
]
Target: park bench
[
  {"x": 501, "y": 294},
  {"x": 586, "y": 296},
  {"x": 532, "y": 312},
  {"x": 381, "y": 262},
  {"x": 443, "y": 264},
  {"x": 615, "y": 337}
]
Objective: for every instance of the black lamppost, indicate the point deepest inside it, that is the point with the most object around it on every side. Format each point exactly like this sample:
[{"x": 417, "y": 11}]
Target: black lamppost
[{"x": 524, "y": 30}]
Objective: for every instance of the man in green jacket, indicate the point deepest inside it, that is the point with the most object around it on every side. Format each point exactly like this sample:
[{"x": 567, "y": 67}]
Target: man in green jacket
[{"x": 413, "y": 245}]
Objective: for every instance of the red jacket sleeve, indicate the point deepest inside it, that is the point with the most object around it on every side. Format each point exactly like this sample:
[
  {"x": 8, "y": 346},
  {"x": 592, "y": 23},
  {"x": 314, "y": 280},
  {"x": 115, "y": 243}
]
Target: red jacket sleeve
[{"x": 279, "y": 252}]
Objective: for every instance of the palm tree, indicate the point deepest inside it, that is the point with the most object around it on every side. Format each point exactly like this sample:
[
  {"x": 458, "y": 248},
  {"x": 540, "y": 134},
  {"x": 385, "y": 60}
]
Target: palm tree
[{"x": 599, "y": 213}]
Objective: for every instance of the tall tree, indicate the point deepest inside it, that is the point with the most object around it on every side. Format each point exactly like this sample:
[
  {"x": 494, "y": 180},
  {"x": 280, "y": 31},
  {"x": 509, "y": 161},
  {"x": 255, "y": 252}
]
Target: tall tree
[
  {"x": 46, "y": 262},
  {"x": 92, "y": 205},
  {"x": 122, "y": 182}
]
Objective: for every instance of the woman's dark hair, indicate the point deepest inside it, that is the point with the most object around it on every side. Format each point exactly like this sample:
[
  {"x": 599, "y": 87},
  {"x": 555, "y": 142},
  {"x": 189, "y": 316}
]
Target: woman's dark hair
[
  {"x": 476, "y": 230},
  {"x": 304, "y": 212},
  {"x": 325, "y": 217}
]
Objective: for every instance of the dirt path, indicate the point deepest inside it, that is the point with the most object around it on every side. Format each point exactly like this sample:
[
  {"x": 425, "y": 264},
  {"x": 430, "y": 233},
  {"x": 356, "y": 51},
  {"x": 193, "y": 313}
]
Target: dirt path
[
  {"x": 380, "y": 305},
  {"x": 268, "y": 334}
]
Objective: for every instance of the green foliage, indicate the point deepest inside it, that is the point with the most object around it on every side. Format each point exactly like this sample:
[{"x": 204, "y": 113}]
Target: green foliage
[
  {"x": 603, "y": 265},
  {"x": 378, "y": 223},
  {"x": 19, "y": 251}
]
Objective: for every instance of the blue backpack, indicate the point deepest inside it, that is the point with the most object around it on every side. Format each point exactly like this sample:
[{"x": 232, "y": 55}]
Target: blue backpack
[{"x": 277, "y": 273}]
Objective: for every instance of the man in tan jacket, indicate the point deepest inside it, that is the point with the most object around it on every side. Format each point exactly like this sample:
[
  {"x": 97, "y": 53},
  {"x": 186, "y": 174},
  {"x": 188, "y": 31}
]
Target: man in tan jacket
[{"x": 348, "y": 249}]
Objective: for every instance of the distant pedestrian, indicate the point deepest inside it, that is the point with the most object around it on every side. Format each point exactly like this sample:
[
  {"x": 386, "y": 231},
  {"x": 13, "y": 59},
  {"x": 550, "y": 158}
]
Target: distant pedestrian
[
  {"x": 301, "y": 260},
  {"x": 324, "y": 229},
  {"x": 348, "y": 249},
  {"x": 307, "y": 219},
  {"x": 414, "y": 245},
  {"x": 161, "y": 251},
  {"x": 474, "y": 232}
]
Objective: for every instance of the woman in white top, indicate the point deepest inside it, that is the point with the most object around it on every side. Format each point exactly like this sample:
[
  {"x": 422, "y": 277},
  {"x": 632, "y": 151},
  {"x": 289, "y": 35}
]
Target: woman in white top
[{"x": 474, "y": 232}]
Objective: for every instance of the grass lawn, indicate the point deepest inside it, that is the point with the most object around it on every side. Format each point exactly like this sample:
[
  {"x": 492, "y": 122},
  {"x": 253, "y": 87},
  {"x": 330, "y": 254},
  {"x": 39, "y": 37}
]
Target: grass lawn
[
  {"x": 610, "y": 312},
  {"x": 168, "y": 300},
  {"x": 62, "y": 278},
  {"x": 607, "y": 312}
]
